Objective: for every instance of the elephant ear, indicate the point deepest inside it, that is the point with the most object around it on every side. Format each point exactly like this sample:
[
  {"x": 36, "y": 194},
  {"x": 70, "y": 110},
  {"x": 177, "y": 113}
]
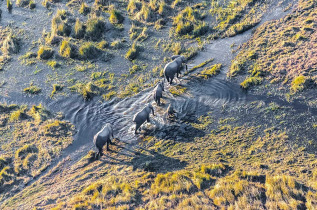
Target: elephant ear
[
  {"x": 174, "y": 57},
  {"x": 134, "y": 118}
]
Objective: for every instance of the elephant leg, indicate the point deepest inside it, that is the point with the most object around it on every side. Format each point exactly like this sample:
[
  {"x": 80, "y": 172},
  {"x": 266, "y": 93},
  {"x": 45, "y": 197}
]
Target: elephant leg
[
  {"x": 108, "y": 141},
  {"x": 100, "y": 152},
  {"x": 159, "y": 101},
  {"x": 148, "y": 118},
  {"x": 97, "y": 155},
  {"x": 137, "y": 126},
  {"x": 168, "y": 79},
  {"x": 171, "y": 80}
]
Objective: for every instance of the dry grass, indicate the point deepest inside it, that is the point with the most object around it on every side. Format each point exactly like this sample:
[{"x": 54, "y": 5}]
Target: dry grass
[
  {"x": 27, "y": 149},
  {"x": 281, "y": 51}
]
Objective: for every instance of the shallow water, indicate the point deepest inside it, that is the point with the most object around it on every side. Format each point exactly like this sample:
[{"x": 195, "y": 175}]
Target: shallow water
[{"x": 203, "y": 95}]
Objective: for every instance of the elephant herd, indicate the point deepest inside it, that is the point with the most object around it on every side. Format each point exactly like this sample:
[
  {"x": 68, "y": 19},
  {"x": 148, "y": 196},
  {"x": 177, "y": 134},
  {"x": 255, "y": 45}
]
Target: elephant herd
[{"x": 106, "y": 133}]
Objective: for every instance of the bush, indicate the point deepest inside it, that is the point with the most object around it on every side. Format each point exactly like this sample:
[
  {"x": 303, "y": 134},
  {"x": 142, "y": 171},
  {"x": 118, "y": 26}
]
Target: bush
[
  {"x": 134, "y": 69},
  {"x": 79, "y": 29},
  {"x": 132, "y": 52},
  {"x": 211, "y": 71},
  {"x": 32, "y": 4},
  {"x": 22, "y": 3},
  {"x": 67, "y": 50},
  {"x": 59, "y": 26},
  {"x": 250, "y": 81},
  {"x": 86, "y": 90},
  {"x": 32, "y": 89},
  {"x": 10, "y": 45},
  {"x": 236, "y": 67},
  {"x": 109, "y": 95},
  {"x": 177, "y": 90},
  {"x": 115, "y": 17},
  {"x": 103, "y": 44},
  {"x": 22, "y": 152},
  {"x": 45, "y": 52},
  {"x": 39, "y": 113},
  {"x": 84, "y": 9},
  {"x": 56, "y": 87},
  {"x": 88, "y": 51},
  {"x": 184, "y": 28},
  {"x": 18, "y": 114},
  {"x": 145, "y": 13},
  {"x": 9, "y": 5},
  {"x": 200, "y": 30},
  {"x": 95, "y": 28},
  {"x": 298, "y": 84}
]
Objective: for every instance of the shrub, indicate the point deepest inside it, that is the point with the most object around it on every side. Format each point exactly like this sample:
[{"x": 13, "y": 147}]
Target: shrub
[
  {"x": 115, "y": 17},
  {"x": 177, "y": 48},
  {"x": 163, "y": 8},
  {"x": 95, "y": 28},
  {"x": 116, "y": 44},
  {"x": 5, "y": 175},
  {"x": 22, "y": 3},
  {"x": 134, "y": 69},
  {"x": 88, "y": 51},
  {"x": 53, "y": 64},
  {"x": 59, "y": 25},
  {"x": 67, "y": 50},
  {"x": 102, "y": 45},
  {"x": 45, "y": 52},
  {"x": 236, "y": 67},
  {"x": 32, "y": 89},
  {"x": 133, "y": 6},
  {"x": 200, "y": 29},
  {"x": 9, "y": 5},
  {"x": 184, "y": 28},
  {"x": 144, "y": 14},
  {"x": 132, "y": 52},
  {"x": 177, "y": 90},
  {"x": 39, "y": 113},
  {"x": 18, "y": 114},
  {"x": 250, "y": 81},
  {"x": 22, "y": 152},
  {"x": 87, "y": 90},
  {"x": 10, "y": 45},
  {"x": 32, "y": 4},
  {"x": 84, "y": 9},
  {"x": 211, "y": 71},
  {"x": 56, "y": 87},
  {"x": 79, "y": 29},
  {"x": 283, "y": 192},
  {"x": 298, "y": 84},
  {"x": 109, "y": 95},
  {"x": 46, "y": 4},
  {"x": 29, "y": 160}
]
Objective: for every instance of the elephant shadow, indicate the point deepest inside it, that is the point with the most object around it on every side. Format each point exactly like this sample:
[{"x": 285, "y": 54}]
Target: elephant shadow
[
  {"x": 140, "y": 158},
  {"x": 149, "y": 160}
]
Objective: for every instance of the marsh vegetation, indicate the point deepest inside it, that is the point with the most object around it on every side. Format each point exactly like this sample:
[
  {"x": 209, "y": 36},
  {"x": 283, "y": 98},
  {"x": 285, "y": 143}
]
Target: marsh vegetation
[{"x": 256, "y": 154}]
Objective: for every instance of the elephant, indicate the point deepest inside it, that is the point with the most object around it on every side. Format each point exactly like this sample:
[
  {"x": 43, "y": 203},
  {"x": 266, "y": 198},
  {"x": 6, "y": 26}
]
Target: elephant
[
  {"x": 158, "y": 92},
  {"x": 174, "y": 67},
  {"x": 140, "y": 117},
  {"x": 170, "y": 110},
  {"x": 103, "y": 137}
]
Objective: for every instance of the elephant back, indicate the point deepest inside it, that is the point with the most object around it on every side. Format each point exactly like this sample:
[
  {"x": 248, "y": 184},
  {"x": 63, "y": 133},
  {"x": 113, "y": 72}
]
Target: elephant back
[{"x": 171, "y": 65}]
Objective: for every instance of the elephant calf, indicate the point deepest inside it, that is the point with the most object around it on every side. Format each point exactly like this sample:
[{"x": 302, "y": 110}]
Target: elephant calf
[
  {"x": 158, "y": 93},
  {"x": 140, "y": 117},
  {"x": 174, "y": 67},
  {"x": 102, "y": 138}
]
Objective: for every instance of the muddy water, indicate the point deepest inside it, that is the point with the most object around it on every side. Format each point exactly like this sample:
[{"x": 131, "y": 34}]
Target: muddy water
[{"x": 203, "y": 96}]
